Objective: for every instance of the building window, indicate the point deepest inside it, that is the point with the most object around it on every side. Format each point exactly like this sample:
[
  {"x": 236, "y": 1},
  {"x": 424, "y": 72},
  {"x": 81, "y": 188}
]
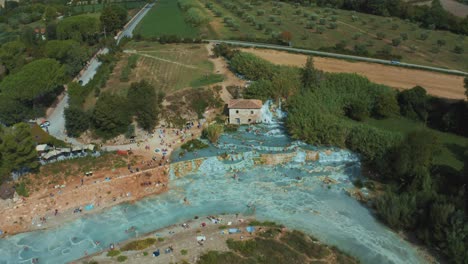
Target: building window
[
  {"x": 237, "y": 111},
  {"x": 251, "y": 112},
  {"x": 250, "y": 120}
]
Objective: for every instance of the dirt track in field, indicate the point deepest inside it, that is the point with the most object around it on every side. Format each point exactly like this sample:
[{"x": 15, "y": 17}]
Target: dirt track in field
[{"x": 437, "y": 84}]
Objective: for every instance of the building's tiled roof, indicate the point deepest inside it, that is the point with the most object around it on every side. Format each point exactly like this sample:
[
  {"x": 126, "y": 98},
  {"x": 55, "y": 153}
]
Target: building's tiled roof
[{"x": 245, "y": 104}]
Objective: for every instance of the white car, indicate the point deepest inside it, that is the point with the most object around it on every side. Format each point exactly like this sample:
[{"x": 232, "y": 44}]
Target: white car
[{"x": 45, "y": 124}]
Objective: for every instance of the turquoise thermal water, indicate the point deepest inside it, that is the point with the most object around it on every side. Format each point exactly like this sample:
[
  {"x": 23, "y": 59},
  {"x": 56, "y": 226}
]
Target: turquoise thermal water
[{"x": 291, "y": 193}]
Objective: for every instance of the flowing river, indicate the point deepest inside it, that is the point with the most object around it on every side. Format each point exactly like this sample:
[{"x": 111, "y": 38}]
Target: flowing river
[{"x": 257, "y": 170}]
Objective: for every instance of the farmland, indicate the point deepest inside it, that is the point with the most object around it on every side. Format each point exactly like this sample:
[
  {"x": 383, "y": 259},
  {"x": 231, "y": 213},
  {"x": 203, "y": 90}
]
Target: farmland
[
  {"x": 165, "y": 18},
  {"x": 167, "y": 67},
  {"x": 316, "y": 28}
]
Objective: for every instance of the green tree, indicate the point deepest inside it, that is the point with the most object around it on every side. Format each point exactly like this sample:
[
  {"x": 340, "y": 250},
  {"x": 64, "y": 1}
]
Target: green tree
[
  {"x": 196, "y": 17},
  {"x": 414, "y": 103},
  {"x": 357, "y": 109},
  {"x": 13, "y": 111},
  {"x": 50, "y": 14},
  {"x": 77, "y": 121},
  {"x": 110, "y": 116},
  {"x": 17, "y": 150},
  {"x": 113, "y": 18},
  {"x": 386, "y": 105},
  {"x": 12, "y": 55},
  {"x": 144, "y": 103},
  {"x": 34, "y": 81},
  {"x": 397, "y": 210},
  {"x": 81, "y": 28},
  {"x": 309, "y": 76},
  {"x": 413, "y": 158},
  {"x": 69, "y": 53},
  {"x": 458, "y": 49}
]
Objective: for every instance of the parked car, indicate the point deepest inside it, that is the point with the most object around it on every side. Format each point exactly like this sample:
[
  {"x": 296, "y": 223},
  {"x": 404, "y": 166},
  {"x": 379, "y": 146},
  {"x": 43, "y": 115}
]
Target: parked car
[{"x": 45, "y": 124}]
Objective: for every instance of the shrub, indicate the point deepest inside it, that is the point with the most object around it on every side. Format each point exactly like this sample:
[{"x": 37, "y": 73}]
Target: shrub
[
  {"x": 213, "y": 132},
  {"x": 121, "y": 258},
  {"x": 404, "y": 36},
  {"x": 139, "y": 244},
  {"x": 21, "y": 189},
  {"x": 458, "y": 49},
  {"x": 113, "y": 253},
  {"x": 193, "y": 145},
  {"x": 396, "y": 42},
  {"x": 183, "y": 252}
]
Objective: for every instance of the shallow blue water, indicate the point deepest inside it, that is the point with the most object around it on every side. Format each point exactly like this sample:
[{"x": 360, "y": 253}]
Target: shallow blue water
[{"x": 291, "y": 193}]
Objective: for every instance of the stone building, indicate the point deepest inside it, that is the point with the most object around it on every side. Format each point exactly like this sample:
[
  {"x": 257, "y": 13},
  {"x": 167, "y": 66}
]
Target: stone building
[{"x": 244, "y": 111}]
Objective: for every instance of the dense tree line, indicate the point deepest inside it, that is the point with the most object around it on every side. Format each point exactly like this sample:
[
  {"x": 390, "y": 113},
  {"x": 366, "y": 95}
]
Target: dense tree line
[
  {"x": 17, "y": 151},
  {"x": 26, "y": 93},
  {"x": 113, "y": 18},
  {"x": 331, "y": 109},
  {"x": 113, "y": 114},
  {"x": 433, "y": 16},
  {"x": 35, "y": 65}
]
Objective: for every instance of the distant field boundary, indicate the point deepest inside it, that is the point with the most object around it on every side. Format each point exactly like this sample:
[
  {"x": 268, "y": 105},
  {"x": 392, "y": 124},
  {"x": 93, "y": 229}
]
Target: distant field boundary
[{"x": 337, "y": 56}]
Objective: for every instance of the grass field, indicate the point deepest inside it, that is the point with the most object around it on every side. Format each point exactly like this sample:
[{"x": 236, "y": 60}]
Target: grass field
[
  {"x": 453, "y": 146},
  {"x": 351, "y": 27},
  {"x": 165, "y": 18},
  {"x": 168, "y": 68}
]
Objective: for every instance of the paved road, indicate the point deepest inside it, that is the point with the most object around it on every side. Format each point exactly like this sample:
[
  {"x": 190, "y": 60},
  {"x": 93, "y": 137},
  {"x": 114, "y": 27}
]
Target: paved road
[
  {"x": 336, "y": 55},
  {"x": 57, "y": 118},
  {"x": 128, "y": 31}
]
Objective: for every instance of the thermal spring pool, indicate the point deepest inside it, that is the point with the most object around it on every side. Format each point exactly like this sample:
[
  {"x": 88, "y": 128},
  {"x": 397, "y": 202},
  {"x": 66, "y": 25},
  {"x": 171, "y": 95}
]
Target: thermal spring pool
[{"x": 260, "y": 172}]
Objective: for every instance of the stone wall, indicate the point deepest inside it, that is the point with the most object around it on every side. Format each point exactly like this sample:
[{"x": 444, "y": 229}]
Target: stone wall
[{"x": 245, "y": 116}]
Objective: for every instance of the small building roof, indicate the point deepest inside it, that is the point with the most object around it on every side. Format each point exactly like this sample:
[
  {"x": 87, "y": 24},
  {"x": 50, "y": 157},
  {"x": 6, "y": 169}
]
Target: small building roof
[
  {"x": 90, "y": 147},
  {"x": 245, "y": 104},
  {"x": 42, "y": 147},
  {"x": 51, "y": 154}
]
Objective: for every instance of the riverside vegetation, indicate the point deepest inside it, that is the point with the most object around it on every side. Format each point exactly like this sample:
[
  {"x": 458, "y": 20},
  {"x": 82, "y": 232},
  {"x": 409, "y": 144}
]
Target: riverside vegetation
[{"x": 424, "y": 193}]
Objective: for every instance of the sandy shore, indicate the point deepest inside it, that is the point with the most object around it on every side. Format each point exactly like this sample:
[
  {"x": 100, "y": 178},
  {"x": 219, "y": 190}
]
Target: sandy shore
[{"x": 180, "y": 238}]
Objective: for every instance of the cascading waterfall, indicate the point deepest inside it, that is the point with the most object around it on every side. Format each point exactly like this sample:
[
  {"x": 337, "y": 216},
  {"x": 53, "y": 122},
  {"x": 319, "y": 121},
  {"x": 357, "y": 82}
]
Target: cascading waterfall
[{"x": 292, "y": 192}]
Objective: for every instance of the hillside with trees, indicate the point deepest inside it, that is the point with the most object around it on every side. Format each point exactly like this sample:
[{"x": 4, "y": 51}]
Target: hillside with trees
[
  {"x": 424, "y": 191},
  {"x": 43, "y": 46}
]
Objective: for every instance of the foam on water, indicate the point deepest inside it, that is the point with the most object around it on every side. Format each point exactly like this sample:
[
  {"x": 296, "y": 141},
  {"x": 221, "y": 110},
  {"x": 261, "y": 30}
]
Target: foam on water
[{"x": 291, "y": 193}]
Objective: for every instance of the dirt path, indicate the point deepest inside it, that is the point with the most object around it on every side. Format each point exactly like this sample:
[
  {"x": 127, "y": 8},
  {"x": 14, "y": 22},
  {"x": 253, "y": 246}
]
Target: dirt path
[
  {"x": 437, "y": 84},
  {"x": 180, "y": 238},
  {"x": 161, "y": 59},
  {"x": 221, "y": 67}
]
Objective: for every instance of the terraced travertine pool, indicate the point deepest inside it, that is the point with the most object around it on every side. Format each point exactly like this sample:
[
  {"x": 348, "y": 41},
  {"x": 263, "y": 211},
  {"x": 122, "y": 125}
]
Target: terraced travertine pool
[{"x": 290, "y": 192}]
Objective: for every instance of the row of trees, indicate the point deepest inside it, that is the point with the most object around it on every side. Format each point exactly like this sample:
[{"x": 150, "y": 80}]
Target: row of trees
[
  {"x": 433, "y": 16},
  {"x": 332, "y": 109},
  {"x": 193, "y": 13}
]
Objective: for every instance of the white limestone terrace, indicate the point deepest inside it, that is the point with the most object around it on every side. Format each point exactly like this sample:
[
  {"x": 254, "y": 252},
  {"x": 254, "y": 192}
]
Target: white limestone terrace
[{"x": 291, "y": 193}]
